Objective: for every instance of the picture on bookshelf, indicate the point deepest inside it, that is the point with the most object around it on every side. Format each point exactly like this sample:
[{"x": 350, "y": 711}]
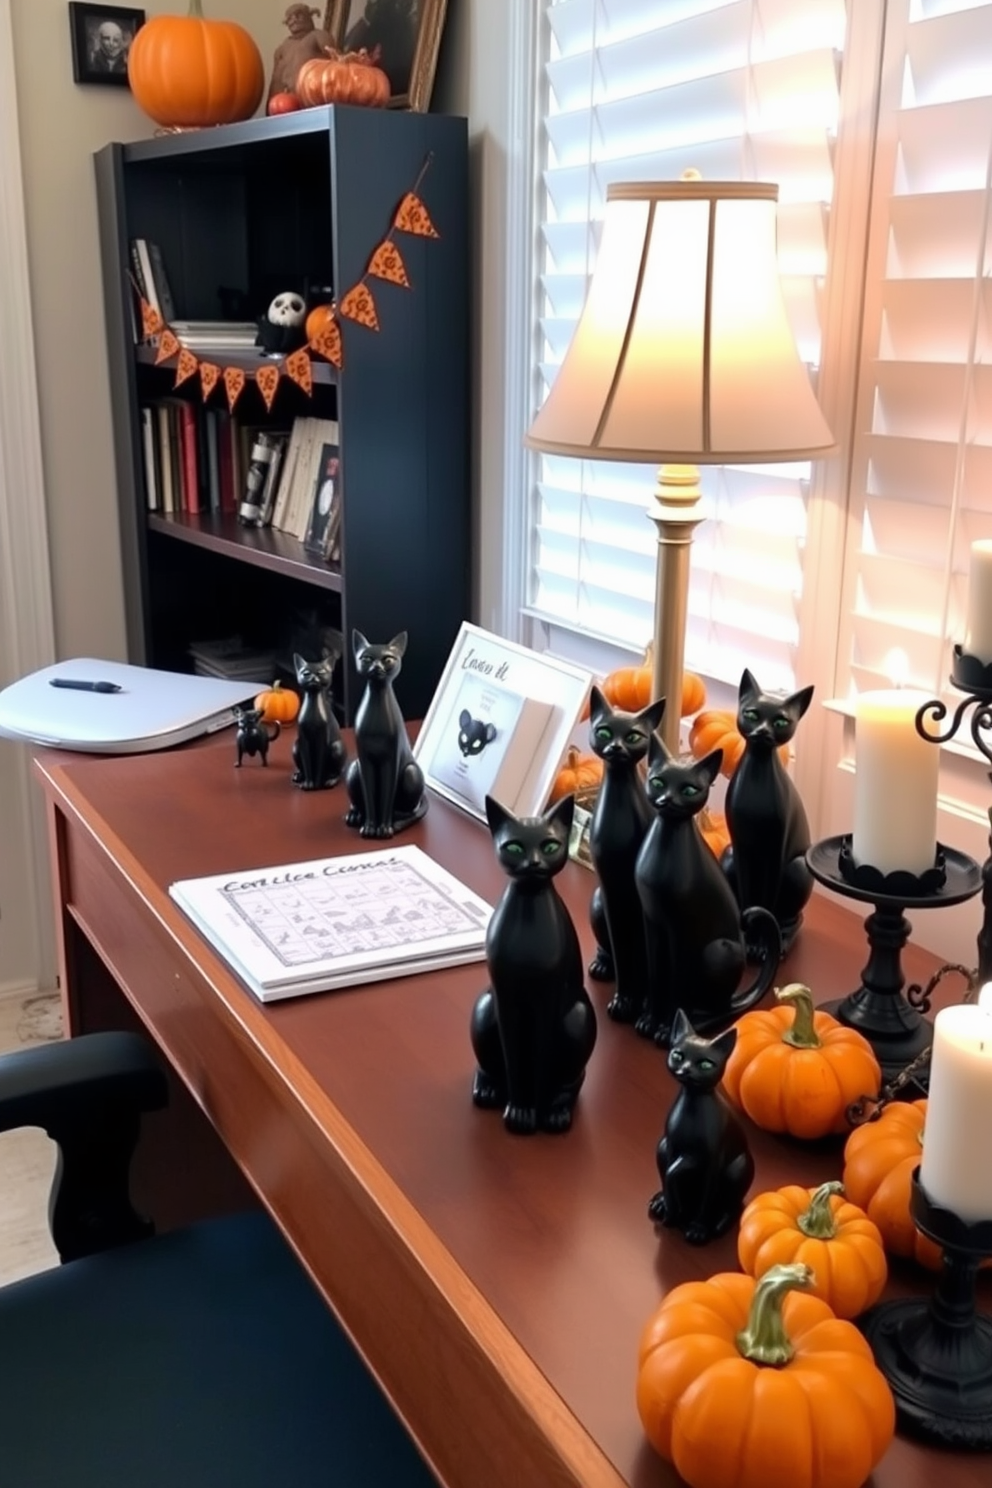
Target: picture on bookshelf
[
  {"x": 402, "y": 37},
  {"x": 101, "y": 40},
  {"x": 325, "y": 505}
]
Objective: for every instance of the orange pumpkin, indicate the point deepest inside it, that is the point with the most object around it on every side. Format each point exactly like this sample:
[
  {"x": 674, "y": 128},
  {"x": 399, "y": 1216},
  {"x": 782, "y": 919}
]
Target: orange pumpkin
[
  {"x": 188, "y": 72},
  {"x": 318, "y": 320},
  {"x": 743, "y": 1384},
  {"x": 797, "y": 1071},
  {"x": 342, "y": 77},
  {"x": 818, "y": 1227},
  {"x": 714, "y": 830},
  {"x": 279, "y": 705},
  {"x": 578, "y": 772},
  {"x": 631, "y": 688},
  {"x": 879, "y": 1159},
  {"x": 716, "y": 728}
]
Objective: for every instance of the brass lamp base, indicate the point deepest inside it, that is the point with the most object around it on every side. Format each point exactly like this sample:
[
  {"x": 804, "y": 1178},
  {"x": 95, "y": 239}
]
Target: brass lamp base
[{"x": 674, "y": 514}]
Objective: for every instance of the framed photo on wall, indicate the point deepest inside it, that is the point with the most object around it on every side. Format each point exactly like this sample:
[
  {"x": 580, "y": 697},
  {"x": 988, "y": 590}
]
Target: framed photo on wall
[
  {"x": 101, "y": 40},
  {"x": 402, "y": 37}
]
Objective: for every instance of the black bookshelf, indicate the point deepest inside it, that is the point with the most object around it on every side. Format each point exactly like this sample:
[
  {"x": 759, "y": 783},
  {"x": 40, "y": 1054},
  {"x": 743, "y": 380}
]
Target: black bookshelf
[{"x": 252, "y": 208}]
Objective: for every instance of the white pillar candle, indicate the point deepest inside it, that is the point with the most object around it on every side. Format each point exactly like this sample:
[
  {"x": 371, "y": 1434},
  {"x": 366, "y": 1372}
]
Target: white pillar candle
[
  {"x": 895, "y": 791},
  {"x": 955, "y": 1171},
  {"x": 978, "y": 629}
]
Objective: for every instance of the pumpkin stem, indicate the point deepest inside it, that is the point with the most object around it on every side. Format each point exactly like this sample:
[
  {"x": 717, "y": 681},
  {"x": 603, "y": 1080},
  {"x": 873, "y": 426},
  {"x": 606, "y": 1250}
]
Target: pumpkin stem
[
  {"x": 802, "y": 1034},
  {"x": 818, "y": 1221},
  {"x": 195, "y": 9},
  {"x": 764, "y": 1340}
]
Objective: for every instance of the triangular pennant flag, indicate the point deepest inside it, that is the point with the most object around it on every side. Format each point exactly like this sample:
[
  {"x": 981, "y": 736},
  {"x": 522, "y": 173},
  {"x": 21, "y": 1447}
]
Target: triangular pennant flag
[
  {"x": 359, "y": 305},
  {"x": 328, "y": 343},
  {"x": 386, "y": 263},
  {"x": 168, "y": 345},
  {"x": 186, "y": 365},
  {"x": 151, "y": 321},
  {"x": 297, "y": 366},
  {"x": 209, "y": 378},
  {"x": 412, "y": 217},
  {"x": 268, "y": 380},
  {"x": 234, "y": 382}
]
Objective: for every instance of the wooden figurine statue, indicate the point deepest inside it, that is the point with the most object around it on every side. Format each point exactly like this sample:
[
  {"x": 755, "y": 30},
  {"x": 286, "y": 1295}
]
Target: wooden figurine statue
[
  {"x": 703, "y": 1158},
  {"x": 319, "y": 752},
  {"x": 253, "y": 735},
  {"x": 304, "y": 42},
  {"x": 533, "y": 1028},
  {"x": 769, "y": 834},
  {"x": 385, "y": 783}
]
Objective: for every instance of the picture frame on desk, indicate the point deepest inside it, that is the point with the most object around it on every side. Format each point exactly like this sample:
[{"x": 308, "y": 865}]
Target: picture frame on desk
[
  {"x": 403, "y": 38},
  {"x": 101, "y": 38},
  {"x": 498, "y": 724}
]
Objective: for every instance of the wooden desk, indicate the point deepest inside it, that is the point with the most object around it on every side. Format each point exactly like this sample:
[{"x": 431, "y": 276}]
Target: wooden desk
[{"x": 496, "y": 1285}]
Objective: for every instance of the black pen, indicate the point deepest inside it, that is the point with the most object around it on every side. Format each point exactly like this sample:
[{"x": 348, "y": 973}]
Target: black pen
[{"x": 80, "y": 686}]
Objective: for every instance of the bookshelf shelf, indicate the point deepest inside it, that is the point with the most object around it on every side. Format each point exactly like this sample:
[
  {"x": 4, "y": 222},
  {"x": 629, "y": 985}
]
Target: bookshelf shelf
[{"x": 265, "y": 547}]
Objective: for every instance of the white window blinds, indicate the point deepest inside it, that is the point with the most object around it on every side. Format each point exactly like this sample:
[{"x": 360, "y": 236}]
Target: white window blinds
[
  {"x": 922, "y": 469},
  {"x": 641, "y": 90}
]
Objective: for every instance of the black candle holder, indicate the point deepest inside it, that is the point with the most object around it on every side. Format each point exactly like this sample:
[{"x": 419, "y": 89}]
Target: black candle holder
[
  {"x": 937, "y": 1354},
  {"x": 892, "y": 1022},
  {"x": 974, "y": 678}
]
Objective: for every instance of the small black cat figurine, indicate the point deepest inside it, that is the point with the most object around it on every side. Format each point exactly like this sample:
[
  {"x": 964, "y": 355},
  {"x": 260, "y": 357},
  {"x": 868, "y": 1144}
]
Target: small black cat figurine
[
  {"x": 620, "y": 822},
  {"x": 693, "y": 928},
  {"x": 319, "y": 752},
  {"x": 769, "y": 833},
  {"x": 473, "y": 735},
  {"x": 253, "y": 735},
  {"x": 704, "y": 1162},
  {"x": 533, "y": 1028},
  {"x": 385, "y": 784}
]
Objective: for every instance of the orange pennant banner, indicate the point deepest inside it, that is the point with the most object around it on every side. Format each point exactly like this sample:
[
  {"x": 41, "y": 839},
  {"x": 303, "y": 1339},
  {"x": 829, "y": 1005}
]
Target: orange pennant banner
[
  {"x": 359, "y": 305},
  {"x": 413, "y": 217},
  {"x": 328, "y": 343},
  {"x": 151, "y": 321},
  {"x": 386, "y": 263},
  {"x": 186, "y": 366},
  {"x": 168, "y": 346},
  {"x": 268, "y": 380},
  {"x": 234, "y": 383},
  {"x": 297, "y": 366},
  {"x": 209, "y": 378}
]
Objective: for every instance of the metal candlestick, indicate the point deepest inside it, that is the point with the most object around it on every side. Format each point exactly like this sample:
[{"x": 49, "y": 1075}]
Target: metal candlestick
[
  {"x": 893, "y": 1023},
  {"x": 937, "y": 1355},
  {"x": 972, "y": 677}
]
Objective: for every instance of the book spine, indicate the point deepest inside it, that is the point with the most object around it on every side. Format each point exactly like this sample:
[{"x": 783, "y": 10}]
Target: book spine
[
  {"x": 161, "y": 281},
  {"x": 148, "y": 458},
  {"x": 165, "y": 459},
  {"x": 147, "y": 277},
  {"x": 187, "y": 425},
  {"x": 225, "y": 463},
  {"x": 213, "y": 459}
]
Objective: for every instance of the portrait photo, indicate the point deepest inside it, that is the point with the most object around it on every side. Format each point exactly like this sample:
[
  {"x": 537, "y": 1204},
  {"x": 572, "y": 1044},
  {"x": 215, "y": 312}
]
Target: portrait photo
[
  {"x": 325, "y": 504},
  {"x": 401, "y": 36},
  {"x": 101, "y": 40}
]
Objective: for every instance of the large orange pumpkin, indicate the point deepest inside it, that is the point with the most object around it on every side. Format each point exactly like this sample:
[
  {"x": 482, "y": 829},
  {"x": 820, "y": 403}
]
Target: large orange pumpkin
[
  {"x": 188, "y": 72},
  {"x": 631, "y": 688},
  {"x": 879, "y": 1159},
  {"x": 578, "y": 772},
  {"x": 342, "y": 77},
  {"x": 716, "y": 728}
]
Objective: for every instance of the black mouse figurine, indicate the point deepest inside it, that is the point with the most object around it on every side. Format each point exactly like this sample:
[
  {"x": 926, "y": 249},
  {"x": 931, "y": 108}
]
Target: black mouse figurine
[
  {"x": 769, "y": 834},
  {"x": 533, "y": 1028},
  {"x": 319, "y": 752},
  {"x": 253, "y": 735},
  {"x": 384, "y": 782},
  {"x": 620, "y": 822},
  {"x": 704, "y": 1162}
]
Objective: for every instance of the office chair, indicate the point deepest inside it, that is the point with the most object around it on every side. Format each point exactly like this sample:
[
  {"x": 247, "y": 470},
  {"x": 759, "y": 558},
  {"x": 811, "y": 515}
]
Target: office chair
[{"x": 201, "y": 1358}]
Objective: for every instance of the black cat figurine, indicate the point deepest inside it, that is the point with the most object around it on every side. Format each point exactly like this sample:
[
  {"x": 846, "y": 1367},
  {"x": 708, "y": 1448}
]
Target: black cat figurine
[
  {"x": 319, "y": 752},
  {"x": 473, "y": 734},
  {"x": 533, "y": 1029},
  {"x": 384, "y": 782},
  {"x": 769, "y": 833},
  {"x": 620, "y": 822},
  {"x": 694, "y": 931},
  {"x": 253, "y": 735},
  {"x": 703, "y": 1158}
]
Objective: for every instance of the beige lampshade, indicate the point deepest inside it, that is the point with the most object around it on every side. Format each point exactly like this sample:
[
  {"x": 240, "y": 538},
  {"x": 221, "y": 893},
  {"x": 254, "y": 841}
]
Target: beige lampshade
[{"x": 684, "y": 352}]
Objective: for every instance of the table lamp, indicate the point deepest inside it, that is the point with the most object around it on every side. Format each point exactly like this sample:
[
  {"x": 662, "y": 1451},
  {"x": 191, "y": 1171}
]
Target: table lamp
[{"x": 683, "y": 355}]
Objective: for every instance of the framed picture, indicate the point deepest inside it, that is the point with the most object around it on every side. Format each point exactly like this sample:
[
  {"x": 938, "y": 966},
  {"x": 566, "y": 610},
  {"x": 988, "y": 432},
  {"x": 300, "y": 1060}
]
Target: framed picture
[
  {"x": 325, "y": 504},
  {"x": 403, "y": 37},
  {"x": 101, "y": 40},
  {"x": 499, "y": 723}
]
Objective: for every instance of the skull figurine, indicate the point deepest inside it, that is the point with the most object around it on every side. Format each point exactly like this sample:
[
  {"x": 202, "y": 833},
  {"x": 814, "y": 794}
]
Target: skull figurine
[
  {"x": 281, "y": 329},
  {"x": 287, "y": 310}
]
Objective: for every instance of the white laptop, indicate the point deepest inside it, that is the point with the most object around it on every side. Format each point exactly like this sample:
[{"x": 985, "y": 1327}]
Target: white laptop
[{"x": 108, "y": 707}]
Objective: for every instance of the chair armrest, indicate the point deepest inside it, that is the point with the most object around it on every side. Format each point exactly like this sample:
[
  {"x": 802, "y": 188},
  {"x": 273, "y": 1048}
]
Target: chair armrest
[{"x": 88, "y": 1094}]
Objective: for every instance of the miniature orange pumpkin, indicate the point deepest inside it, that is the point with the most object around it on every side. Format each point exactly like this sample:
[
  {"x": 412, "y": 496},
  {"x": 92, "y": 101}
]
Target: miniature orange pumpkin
[
  {"x": 745, "y": 1383},
  {"x": 342, "y": 77},
  {"x": 578, "y": 772},
  {"x": 189, "y": 72},
  {"x": 716, "y": 728},
  {"x": 631, "y": 688},
  {"x": 318, "y": 320},
  {"x": 824, "y": 1231},
  {"x": 279, "y": 705},
  {"x": 797, "y": 1071},
  {"x": 879, "y": 1159},
  {"x": 714, "y": 829}
]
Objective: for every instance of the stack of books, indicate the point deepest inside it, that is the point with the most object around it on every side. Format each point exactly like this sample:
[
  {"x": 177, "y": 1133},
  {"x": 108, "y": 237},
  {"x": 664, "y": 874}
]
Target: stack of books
[
  {"x": 232, "y": 658},
  {"x": 152, "y": 282}
]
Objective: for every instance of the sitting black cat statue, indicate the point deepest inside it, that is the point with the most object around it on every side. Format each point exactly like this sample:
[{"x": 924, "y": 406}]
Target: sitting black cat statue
[
  {"x": 620, "y": 822},
  {"x": 533, "y": 1028},
  {"x": 704, "y": 1162},
  {"x": 319, "y": 752},
  {"x": 769, "y": 834},
  {"x": 694, "y": 931},
  {"x": 384, "y": 782},
  {"x": 253, "y": 735}
]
